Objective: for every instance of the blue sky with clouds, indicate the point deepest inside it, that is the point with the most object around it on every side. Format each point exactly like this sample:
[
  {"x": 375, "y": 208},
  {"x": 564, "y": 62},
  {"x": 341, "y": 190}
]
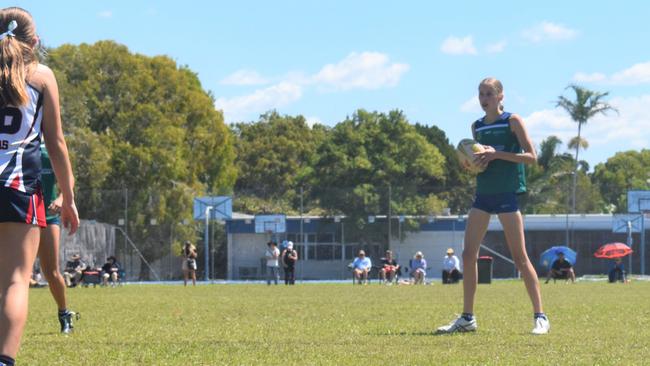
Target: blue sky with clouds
[{"x": 324, "y": 60}]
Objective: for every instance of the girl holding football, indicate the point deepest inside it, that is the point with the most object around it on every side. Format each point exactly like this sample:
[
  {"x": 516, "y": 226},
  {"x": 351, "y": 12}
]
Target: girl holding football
[{"x": 507, "y": 147}]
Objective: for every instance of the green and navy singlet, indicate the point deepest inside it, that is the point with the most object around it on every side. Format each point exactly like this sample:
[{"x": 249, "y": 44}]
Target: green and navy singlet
[{"x": 501, "y": 176}]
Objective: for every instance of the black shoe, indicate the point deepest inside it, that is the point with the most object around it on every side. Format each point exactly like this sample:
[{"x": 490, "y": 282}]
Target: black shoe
[{"x": 66, "y": 321}]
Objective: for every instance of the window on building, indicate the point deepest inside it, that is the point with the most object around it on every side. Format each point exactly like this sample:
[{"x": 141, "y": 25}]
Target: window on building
[
  {"x": 324, "y": 252},
  {"x": 325, "y": 237},
  {"x": 301, "y": 251},
  {"x": 338, "y": 251},
  {"x": 351, "y": 251},
  {"x": 311, "y": 252}
]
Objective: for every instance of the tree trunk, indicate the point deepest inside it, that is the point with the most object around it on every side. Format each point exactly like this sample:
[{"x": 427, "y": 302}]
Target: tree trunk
[{"x": 575, "y": 172}]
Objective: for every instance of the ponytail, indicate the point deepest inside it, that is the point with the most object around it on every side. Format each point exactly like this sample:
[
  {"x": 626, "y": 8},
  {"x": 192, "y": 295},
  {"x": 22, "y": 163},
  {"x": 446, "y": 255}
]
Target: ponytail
[
  {"x": 17, "y": 55},
  {"x": 12, "y": 73}
]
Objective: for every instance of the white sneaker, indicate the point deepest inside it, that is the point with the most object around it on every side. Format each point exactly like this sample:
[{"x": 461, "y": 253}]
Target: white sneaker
[
  {"x": 542, "y": 326},
  {"x": 459, "y": 325}
]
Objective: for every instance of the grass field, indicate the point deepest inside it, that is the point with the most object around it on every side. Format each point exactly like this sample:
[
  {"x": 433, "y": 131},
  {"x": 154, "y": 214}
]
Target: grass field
[{"x": 339, "y": 324}]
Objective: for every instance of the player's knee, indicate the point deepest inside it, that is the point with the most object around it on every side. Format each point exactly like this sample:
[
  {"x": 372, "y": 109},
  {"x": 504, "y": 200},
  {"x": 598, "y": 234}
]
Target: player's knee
[{"x": 51, "y": 275}]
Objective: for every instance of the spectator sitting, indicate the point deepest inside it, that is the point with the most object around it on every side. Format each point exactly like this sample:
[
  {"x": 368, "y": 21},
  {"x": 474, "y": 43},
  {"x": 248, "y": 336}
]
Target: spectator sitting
[
  {"x": 418, "y": 268},
  {"x": 361, "y": 267},
  {"x": 73, "y": 270},
  {"x": 389, "y": 268},
  {"x": 450, "y": 268},
  {"x": 617, "y": 272},
  {"x": 561, "y": 269},
  {"x": 110, "y": 270}
]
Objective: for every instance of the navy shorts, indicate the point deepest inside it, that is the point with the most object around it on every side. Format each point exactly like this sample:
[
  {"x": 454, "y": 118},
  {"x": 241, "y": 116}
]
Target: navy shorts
[
  {"x": 496, "y": 203},
  {"x": 17, "y": 206}
]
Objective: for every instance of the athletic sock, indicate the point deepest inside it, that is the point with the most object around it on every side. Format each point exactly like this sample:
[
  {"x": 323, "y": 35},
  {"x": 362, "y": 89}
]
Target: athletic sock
[
  {"x": 6, "y": 361},
  {"x": 540, "y": 315},
  {"x": 63, "y": 312},
  {"x": 467, "y": 316}
]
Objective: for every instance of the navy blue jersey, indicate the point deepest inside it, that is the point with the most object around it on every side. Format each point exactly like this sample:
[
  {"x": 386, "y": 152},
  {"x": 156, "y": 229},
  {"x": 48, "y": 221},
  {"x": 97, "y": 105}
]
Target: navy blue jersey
[{"x": 20, "y": 139}]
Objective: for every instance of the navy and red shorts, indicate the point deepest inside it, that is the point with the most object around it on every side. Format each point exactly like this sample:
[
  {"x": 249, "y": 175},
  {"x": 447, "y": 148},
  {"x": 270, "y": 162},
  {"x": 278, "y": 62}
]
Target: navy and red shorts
[{"x": 17, "y": 206}]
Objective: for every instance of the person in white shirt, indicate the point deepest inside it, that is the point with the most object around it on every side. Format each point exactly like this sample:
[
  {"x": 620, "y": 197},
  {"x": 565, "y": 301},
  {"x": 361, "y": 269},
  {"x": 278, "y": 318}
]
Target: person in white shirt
[
  {"x": 361, "y": 267},
  {"x": 272, "y": 256},
  {"x": 450, "y": 268}
]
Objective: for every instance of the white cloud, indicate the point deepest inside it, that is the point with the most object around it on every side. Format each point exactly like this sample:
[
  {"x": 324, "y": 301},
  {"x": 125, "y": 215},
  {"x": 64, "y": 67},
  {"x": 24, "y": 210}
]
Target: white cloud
[
  {"x": 259, "y": 101},
  {"x": 458, "y": 46},
  {"x": 637, "y": 74},
  {"x": 471, "y": 105},
  {"x": 546, "y": 122},
  {"x": 547, "y": 31},
  {"x": 608, "y": 134},
  {"x": 105, "y": 14},
  {"x": 366, "y": 70},
  {"x": 244, "y": 77},
  {"x": 497, "y": 47},
  {"x": 634, "y": 75},
  {"x": 595, "y": 77}
]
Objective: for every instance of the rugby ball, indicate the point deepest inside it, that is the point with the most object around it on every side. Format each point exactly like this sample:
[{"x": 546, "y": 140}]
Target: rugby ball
[{"x": 465, "y": 151}]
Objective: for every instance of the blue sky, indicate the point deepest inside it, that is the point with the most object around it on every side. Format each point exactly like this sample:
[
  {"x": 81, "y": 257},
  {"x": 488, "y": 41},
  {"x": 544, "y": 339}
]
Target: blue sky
[{"x": 324, "y": 60}]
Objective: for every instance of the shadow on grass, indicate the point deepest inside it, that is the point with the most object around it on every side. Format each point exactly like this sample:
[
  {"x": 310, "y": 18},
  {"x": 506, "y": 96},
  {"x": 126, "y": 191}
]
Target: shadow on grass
[
  {"x": 48, "y": 333},
  {"x": 432, "y": 333}
]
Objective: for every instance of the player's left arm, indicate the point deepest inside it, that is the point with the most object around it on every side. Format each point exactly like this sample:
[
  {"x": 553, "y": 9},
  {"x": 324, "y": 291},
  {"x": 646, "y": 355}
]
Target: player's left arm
[{"x": 528, "y": 156}]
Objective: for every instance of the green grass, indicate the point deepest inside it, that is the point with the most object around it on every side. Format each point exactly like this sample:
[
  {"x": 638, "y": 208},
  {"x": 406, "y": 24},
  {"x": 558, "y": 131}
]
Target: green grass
[{"x": 338, "y": 324}]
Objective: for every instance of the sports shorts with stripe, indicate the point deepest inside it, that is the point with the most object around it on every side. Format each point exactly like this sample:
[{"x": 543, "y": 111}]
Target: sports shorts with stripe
[{"x": 17, "y": 206}]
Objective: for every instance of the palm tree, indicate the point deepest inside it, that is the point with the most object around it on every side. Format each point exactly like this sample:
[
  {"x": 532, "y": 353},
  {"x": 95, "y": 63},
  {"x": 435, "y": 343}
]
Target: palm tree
[
  {"x": 584, "y": 144},
  {"x": 547, "y": 149},
  {"x": 587, "y": 104}
]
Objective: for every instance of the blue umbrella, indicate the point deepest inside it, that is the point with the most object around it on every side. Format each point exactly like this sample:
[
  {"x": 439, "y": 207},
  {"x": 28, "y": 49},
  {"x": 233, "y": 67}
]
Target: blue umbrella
[{"x": 550, "y": 255}]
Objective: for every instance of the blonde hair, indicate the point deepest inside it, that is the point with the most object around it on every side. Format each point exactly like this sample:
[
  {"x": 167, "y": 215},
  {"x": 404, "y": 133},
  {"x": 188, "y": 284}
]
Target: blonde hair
[
  {"x": 495, "y": 84},
  {"x": 17, "y": 55}
]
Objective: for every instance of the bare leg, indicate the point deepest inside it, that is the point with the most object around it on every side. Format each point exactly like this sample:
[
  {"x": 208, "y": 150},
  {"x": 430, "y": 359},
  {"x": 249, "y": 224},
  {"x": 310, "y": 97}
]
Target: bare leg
[
  {"x": 48, "y": 252},
  {"x": 477, "y": 223},
  {"x": 18, "y": 246},
  {"x": 513, "y": 228},
  {"x": 185, "y": 276},
  {"x": 418, "y": 277},
  {"x": 193, "y": 272}
]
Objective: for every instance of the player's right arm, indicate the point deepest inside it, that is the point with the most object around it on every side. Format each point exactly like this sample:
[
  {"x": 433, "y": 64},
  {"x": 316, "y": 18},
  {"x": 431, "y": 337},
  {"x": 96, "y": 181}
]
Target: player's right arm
[{"x": 44, "y": 79}]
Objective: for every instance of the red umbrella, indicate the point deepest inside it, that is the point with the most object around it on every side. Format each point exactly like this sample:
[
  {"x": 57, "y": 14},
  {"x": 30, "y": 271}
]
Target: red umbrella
[{"x": 613, "y": 250}]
